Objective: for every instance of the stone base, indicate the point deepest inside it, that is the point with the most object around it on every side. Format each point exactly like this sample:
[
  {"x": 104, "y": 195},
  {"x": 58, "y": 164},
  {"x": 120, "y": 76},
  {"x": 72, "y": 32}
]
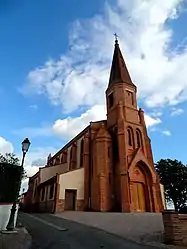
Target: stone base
[
  {"x": 60, "y": 206},
  {"x": 80, "y": 205}
]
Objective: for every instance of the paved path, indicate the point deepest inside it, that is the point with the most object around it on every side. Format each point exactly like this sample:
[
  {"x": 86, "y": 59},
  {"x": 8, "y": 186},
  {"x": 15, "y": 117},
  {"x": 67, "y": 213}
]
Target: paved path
[
  {"x": 49, "y": 232},
  {"x": 19, "y": 240},
  {"x": 147, "y": 227}
]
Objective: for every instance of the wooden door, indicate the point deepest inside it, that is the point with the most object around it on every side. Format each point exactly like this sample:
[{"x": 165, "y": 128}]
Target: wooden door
[
  {"x": 70, "y": 199},
  {"x": 138, "y": 194}
]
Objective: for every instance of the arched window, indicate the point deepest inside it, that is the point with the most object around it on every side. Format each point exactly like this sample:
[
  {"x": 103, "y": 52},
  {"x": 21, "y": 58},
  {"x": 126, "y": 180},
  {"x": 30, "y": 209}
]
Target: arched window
[
  {"x": 115, "y": 147},
  {"x": 70, "y": 158},
  {"x": 42, "y": 194},
  {"x": 71, "y": 153},
  {"x": 138, "y": 138},
  {"x": 130, "y": 138},
  {"x": 81, "y": 152},
  {"x": 62, "y": 158},
  {"x": 65, "y": 156},
  {"x": 57, "y": 160}
]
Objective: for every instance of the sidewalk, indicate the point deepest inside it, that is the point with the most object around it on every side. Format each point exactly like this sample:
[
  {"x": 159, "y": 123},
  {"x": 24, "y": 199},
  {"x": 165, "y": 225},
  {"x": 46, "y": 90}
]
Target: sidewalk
[
  {"x": 133, "y": 226},
  {"x": 19, "y": 240},
  {"x": 144, "y": 228}
]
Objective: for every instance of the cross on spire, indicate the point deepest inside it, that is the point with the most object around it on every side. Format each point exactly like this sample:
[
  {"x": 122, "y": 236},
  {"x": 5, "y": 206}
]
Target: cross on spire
[
  {"x": 116, "y": 37},
  {"x": 119, "y": 71}
]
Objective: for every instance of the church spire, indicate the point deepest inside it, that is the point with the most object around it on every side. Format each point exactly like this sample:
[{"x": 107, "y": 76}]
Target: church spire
[{"x": 119, "y": 72}]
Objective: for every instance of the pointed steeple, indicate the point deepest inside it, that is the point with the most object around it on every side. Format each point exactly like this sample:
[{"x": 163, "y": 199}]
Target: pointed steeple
[{"x": 119, "y": 72}]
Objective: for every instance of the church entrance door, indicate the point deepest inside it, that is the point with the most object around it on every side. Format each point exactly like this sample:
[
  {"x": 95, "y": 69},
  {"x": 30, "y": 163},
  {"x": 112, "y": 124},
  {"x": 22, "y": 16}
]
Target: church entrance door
[
  {"x": 138, "y": 195},
  {"x": 138, "y": 190}
]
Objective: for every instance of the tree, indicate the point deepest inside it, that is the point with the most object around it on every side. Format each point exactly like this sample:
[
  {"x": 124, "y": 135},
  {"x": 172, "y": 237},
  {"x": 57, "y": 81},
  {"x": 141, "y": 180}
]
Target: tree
[
  {"x": 173, "y": 175},
  {"x": 12, "y": 159}
]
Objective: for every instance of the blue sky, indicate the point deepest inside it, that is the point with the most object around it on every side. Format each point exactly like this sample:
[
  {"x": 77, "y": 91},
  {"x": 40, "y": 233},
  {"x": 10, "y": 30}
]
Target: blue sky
[{"x": 55, "y": 59}]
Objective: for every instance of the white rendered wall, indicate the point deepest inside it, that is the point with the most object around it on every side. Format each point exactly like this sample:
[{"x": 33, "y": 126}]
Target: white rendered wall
[
  {"x": 72, "y": 180},
  {"x": 5, "y": 214}
]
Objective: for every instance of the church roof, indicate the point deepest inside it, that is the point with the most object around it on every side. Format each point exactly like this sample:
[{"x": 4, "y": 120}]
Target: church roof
[{"x": 119, "y": 72}]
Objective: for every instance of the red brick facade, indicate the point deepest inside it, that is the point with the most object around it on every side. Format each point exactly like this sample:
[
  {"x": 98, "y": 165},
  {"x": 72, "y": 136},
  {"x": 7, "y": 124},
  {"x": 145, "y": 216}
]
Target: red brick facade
[
  {"x": 116, "y": 154},
  {"x": 121, "y": 171},
  {"x": 175, "y": 226}
]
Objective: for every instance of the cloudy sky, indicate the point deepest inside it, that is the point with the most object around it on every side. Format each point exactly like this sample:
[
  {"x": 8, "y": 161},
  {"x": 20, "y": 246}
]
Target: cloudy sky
[{"x": 55, "y": 60}]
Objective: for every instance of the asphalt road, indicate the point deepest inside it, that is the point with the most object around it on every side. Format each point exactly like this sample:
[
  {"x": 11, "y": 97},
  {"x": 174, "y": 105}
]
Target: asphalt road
[{"x": 50, "y": 232}]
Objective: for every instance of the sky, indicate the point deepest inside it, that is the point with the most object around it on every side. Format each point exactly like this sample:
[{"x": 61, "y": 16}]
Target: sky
[{"x": 55, "y": 59}]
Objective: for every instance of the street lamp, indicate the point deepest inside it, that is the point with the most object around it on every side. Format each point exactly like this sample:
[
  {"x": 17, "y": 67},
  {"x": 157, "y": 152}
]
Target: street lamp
[{"x": 25, "y": 147}]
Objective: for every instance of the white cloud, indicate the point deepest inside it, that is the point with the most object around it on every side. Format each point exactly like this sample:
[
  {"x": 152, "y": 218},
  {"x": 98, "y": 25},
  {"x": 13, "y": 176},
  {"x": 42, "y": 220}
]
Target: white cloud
[
  {"x": 156, "y": 113},
  {"x": 34, "y": 107},
  {"x": 35, "y": 158},
  {"x": 150, "y": 121},
  {"x": 167, "y": 133},
  {"x": 30, "y": 171},
  {"x": 81, "y": 75},
  {"x": 176, "y": 111},
  {"x": 69, "y": 127},
  {"x": 5, "y": 146}
]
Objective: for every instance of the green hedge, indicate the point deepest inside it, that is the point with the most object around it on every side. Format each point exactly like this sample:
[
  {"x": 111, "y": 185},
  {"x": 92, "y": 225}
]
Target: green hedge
[{"x": 9, "y": 181}]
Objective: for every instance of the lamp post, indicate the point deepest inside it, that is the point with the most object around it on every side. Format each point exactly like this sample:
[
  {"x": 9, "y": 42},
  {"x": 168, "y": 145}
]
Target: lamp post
[{"x": 10, "y": 226}]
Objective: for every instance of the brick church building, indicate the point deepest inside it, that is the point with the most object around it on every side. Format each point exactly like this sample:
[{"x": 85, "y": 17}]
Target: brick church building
[{"x": 108, "y": 166}]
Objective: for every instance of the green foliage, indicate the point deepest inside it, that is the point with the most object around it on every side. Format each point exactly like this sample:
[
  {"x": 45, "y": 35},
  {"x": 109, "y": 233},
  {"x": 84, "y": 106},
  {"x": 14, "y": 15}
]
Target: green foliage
[
  {"x": 10, "y": 177},
  {"x": 173, "y": 175},
  {"x": 11, "y": 158},
  {"x": 11, "y": 174}
]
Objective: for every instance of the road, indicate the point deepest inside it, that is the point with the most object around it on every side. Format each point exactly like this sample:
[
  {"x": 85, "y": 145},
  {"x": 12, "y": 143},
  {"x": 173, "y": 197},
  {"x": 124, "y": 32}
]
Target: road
[{"x": 50, "y": 232}]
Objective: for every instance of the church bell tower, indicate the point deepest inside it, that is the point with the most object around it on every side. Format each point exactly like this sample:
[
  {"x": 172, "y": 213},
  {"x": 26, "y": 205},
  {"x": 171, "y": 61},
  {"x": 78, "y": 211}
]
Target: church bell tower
[{"x": 131, "y": 145}]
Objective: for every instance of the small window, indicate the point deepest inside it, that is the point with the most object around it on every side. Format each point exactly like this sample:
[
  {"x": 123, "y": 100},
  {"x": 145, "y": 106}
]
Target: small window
[
  {"x": 51, "y": 192},
  {"x": 81, "y": 152},
  {"x": 115, "y": 150},
  {"x": 111, "y": 100},
  {"x": 43, "y": 194},
  {"x": 65, "y": 156},
  {"x": 70, "y": 158},
  {"x": 35, "y": 192},
  {"x": 57, "y": 160},
  {"x": 71, "y": 153},
  {"x": 62, "y": 158},
  {"x": 130, "y": 98},
  {"x": 138, "y": 137},
  {"x": 129, "y": 137}
]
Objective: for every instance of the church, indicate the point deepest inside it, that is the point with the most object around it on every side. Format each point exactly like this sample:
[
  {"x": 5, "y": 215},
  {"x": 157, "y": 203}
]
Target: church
[{"x": 108, "y": 167}]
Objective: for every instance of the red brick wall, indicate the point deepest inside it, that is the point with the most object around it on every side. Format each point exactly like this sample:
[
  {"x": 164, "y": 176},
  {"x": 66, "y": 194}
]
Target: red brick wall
[
  {"x": 124, "y": 115},
  {"x": 175, "y": 228},
  {"x": 60, "y": 206}
]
